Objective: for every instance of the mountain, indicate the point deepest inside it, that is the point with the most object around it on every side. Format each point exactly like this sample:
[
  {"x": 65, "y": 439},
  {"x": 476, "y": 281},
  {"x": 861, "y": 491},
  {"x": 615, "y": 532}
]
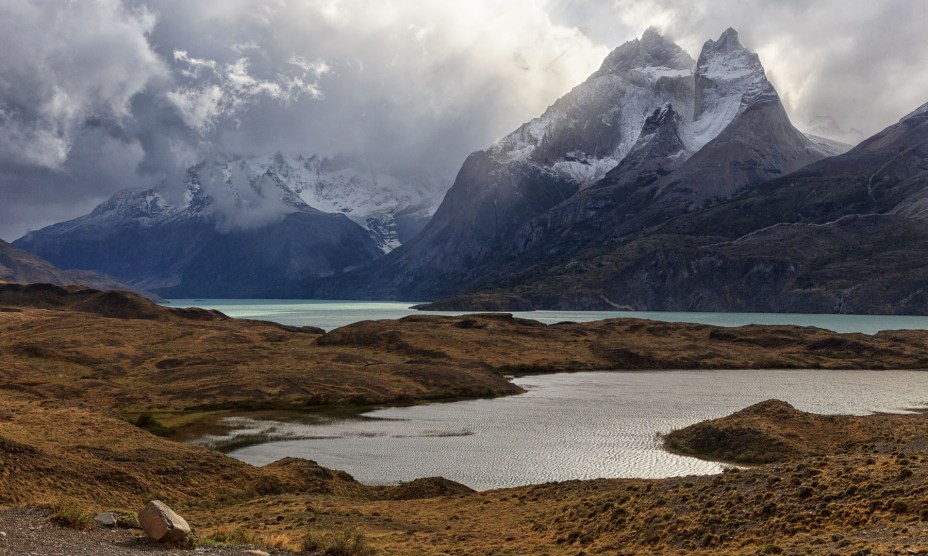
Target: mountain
[
  {"x": 23, "y": 267},
  {"x": 235, "y": 233},
  {"x": 392, "y": 208},
  {"x": 650, "y": 136},
  {"x": 848, "y": 234}
]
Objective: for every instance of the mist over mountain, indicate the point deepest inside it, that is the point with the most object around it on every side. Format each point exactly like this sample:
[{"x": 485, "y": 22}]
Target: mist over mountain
[{"x": 240, "y": 230}]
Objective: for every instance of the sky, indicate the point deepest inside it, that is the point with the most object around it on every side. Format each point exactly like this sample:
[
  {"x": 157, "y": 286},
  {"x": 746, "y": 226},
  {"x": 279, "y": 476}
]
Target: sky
[{"x": 100, "y": 95}]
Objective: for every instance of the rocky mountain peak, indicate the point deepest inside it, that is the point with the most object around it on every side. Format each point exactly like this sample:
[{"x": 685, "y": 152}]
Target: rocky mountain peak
[
  {"x": 659, "y": 117},
  {"x": 134, "y": 203},
  {"x": 729, "y": 78},
  {"x": 726, "y": 68},
  {"x": 652, "y": 50},
  {"x": 728, "y": 40}
]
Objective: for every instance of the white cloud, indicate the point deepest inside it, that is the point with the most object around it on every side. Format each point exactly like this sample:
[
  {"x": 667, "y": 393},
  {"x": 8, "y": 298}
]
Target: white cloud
[
  {"x": 212, "y": 91},
  {"x": 317, "y": 68}
]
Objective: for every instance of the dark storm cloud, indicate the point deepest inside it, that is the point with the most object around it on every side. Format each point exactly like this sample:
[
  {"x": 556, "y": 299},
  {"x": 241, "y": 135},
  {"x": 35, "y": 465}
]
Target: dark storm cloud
[{"x": 100, "y": 95}]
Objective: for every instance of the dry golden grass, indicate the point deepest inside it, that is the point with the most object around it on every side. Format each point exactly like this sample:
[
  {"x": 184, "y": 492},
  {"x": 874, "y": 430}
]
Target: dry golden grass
[
  {"x": 843, "y": 485},
  {"x": 871, "y": 496},
  {"x": 774, "y": 431},
  {"x": 121, "y": 352}
]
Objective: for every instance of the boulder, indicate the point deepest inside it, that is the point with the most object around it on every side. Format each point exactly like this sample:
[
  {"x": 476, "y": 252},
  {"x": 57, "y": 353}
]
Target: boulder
[{"x": 162, "y": 524}]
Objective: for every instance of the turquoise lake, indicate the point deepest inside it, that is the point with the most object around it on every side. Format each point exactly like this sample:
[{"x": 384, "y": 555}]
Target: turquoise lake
[{"x": 333, "y": 314}]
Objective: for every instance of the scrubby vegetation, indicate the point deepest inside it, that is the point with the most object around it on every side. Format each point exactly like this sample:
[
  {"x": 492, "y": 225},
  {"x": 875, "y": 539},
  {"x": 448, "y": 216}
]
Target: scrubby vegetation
[{"x": 71, "y": 514}]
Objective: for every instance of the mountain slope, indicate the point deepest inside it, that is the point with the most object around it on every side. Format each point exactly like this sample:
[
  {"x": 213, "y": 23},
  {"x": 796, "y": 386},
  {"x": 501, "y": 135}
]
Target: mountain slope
[
  {"x": 23, "y": 267},
  {"x": 649, "y": 136}
]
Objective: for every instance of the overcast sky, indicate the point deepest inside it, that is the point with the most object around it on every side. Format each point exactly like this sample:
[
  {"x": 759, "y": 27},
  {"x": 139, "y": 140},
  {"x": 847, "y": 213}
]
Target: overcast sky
[{"x": 99, "y": 95}]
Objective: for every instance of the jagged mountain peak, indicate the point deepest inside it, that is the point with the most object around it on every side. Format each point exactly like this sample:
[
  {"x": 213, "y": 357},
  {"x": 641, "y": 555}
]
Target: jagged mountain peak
[
  {"x": 134, "y": 203},
  {"x": 589, "y": 130},
  {"x": 729, "y": 79},
  {"x": 726, "y": 66},
  {"x": 660, "y": 116},
  {"x": 729, "y": 39},
  {"x": 652, "y": 50}
]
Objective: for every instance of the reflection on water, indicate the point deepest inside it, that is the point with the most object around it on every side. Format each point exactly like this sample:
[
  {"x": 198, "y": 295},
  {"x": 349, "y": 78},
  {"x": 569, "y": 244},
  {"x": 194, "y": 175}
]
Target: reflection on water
[
  {"x": 567, "y": 426},
  {"x": 333, "y": 314}
]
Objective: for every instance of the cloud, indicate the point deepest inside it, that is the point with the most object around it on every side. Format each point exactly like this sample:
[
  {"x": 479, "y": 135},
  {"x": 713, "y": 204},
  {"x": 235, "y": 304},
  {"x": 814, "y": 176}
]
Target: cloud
[
  {"x": 852, "y": 65},
  {"x": 223, "y": 90},
  {"x": 100, "y": 95},
  {"x": 63, "y": 63},
  {"x": 411, "y": 84}
]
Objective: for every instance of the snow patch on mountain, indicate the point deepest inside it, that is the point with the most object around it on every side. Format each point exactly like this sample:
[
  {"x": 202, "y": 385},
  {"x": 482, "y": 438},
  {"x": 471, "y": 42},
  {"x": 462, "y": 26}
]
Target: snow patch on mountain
[
  {"x": 729, "y": 78},
  {"x": 390, "y": 207},
  {"x": 607, "y": 111}
]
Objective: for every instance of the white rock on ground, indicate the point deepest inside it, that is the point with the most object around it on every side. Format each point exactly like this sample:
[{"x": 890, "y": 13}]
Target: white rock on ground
[
  {"x": 107, "y": 519},
  {"x": 162, "y": 524}
]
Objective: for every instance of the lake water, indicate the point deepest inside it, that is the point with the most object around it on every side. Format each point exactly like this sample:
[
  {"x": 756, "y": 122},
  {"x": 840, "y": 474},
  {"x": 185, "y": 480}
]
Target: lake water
[
  {"x": 333, "y": 314},
  {"x": 567, "y": 426}
]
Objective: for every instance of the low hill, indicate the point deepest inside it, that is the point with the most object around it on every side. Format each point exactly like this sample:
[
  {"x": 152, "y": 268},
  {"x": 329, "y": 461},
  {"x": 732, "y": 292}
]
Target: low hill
[
  {"x": 19, "y": 266},
  {"x": 775, "y": 431}
]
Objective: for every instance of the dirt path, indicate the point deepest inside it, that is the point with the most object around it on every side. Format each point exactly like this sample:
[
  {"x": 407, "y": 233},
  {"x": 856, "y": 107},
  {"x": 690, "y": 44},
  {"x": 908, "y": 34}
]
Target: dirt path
[{"x": 29, "y": 532}]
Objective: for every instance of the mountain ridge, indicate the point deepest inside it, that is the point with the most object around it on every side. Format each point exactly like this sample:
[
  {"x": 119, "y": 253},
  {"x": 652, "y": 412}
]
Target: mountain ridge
[
  {"x": 236, "y": 234},
  {"x": 842, "y": 235},
  {"x": 523, "y": 199}
]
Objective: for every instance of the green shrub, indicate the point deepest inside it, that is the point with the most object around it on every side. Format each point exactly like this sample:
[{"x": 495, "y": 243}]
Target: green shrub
[{"x": 70, "y": 514}]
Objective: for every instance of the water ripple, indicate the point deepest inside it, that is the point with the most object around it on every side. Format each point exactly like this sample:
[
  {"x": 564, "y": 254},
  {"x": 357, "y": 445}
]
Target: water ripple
[{"x": 568, "y": 426}]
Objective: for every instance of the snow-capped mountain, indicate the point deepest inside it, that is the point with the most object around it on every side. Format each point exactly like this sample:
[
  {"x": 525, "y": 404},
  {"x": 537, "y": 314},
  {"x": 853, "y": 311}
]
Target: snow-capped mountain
[
  {"x": 650, "y": 135},
  {"x": 588, "y": 131},
  {"x": 392, "y": 208},
  {"x": 237, "y": 226},
  {"x": 235, "y": 232}
]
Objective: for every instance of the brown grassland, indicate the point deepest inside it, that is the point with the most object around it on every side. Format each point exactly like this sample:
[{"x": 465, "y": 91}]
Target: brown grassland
[{"x": 75, "y": 363}]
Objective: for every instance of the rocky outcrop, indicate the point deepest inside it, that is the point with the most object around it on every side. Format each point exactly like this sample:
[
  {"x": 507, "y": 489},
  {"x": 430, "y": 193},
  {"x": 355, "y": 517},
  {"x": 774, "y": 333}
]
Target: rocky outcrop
[{"x": 774, "y": 431}]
